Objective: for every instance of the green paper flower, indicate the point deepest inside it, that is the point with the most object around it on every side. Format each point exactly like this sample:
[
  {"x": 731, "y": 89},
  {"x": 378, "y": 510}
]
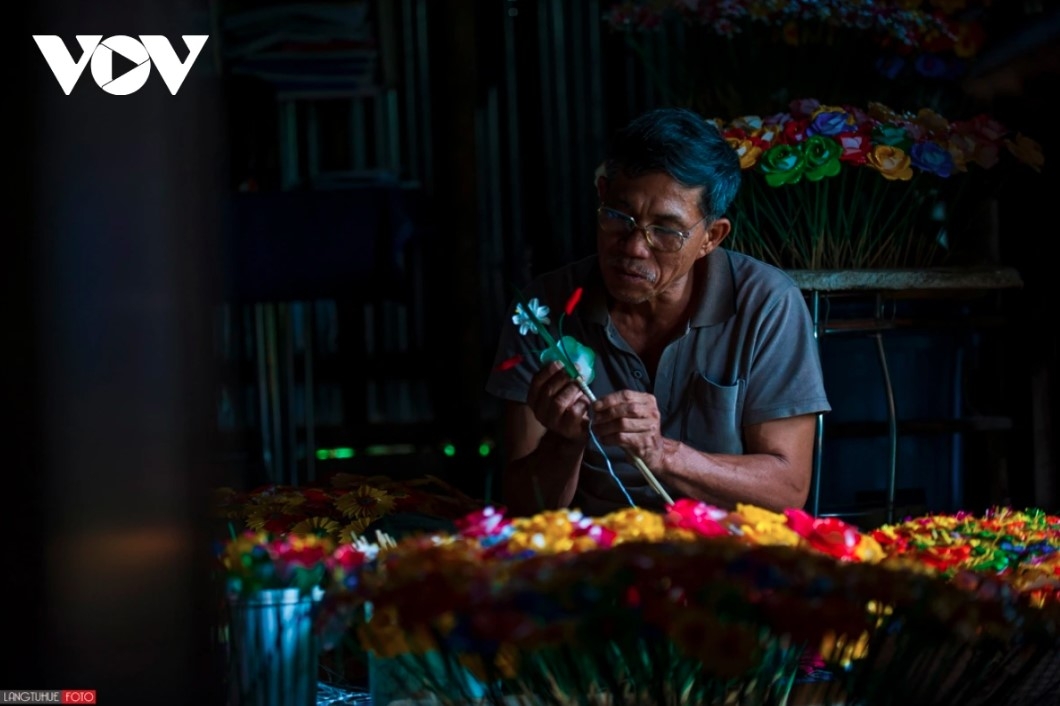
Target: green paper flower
[
  {"x": 822, "y": 157},
  {"x": 583, "y": 357},
  {"x": 782, "y": 164}
]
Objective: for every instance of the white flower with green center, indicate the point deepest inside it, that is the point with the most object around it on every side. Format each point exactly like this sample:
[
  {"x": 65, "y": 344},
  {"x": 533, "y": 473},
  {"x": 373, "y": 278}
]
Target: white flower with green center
[{"x": 528, "y": 321}]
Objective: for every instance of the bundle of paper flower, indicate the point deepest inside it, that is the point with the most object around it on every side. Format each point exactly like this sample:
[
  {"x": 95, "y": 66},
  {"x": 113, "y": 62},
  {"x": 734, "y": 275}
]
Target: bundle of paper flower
[
  {"x": 814, "y": 142},
  {"x": 695, "y": 605},
  {"x": 252, "y": 562},
  {"x": 838, "y": 186},
  {"x": 934, "y": 26},
  {"x": 341, "y": 510},
  {"x": 1022, "y": 548}
]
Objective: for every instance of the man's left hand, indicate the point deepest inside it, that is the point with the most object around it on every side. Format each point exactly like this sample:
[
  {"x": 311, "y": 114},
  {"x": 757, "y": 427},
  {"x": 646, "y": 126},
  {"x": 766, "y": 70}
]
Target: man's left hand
[{"x": 631, "y": 420}]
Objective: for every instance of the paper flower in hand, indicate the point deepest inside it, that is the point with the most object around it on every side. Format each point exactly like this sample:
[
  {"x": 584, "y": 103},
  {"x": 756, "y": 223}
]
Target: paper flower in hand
[
  {"x": 532, "y": 317},
  {"x": 582, "y": 357}
]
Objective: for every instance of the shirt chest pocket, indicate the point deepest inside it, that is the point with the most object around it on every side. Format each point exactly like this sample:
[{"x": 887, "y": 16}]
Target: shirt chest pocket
[{"x": 711, "y": 417}]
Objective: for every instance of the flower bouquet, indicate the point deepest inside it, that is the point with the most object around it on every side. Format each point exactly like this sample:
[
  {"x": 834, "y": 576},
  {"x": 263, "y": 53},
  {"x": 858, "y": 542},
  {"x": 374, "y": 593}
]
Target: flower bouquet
[
  {"x": 279, "y": 611},
  {"x": 838, "y": 186},
  {"x": 697, "y": 605}
]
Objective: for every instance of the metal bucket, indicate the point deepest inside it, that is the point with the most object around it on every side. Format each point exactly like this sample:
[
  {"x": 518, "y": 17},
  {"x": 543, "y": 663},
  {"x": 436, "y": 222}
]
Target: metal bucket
[{"x": 273, "y": 650}]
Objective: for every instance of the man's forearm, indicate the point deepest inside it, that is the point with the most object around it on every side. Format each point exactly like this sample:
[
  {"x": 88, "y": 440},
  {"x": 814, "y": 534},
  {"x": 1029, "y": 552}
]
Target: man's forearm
[
  {"x": 544, "y": 479},
  {"x": 760, "y": 479}
]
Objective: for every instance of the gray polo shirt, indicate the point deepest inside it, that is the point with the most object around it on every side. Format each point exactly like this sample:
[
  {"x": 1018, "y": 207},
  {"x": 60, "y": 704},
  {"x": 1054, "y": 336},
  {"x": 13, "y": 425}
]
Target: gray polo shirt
[{"x": 747, "y": 356}]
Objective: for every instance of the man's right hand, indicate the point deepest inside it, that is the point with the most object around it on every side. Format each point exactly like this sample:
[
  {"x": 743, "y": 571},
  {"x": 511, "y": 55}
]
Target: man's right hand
[{"x": 558, "y": 403}]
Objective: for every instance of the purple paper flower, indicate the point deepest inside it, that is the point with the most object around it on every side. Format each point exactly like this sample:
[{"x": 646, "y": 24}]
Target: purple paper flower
[{"x": 830, "y": 123}]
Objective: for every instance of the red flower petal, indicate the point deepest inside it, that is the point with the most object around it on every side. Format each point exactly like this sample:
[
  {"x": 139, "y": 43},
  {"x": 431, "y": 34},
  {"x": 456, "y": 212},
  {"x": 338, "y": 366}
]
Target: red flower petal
[
  {"x": 573, "y": 301},
  {"x": 510, "y": 363}
]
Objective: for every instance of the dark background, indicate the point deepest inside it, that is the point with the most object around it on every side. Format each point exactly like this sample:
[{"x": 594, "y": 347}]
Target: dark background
[{"x": 178, "y": 265}]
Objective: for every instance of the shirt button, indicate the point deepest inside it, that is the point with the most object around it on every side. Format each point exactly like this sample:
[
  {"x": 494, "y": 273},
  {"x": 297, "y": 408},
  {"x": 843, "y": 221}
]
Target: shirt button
[{"x": 638, "y": 374}]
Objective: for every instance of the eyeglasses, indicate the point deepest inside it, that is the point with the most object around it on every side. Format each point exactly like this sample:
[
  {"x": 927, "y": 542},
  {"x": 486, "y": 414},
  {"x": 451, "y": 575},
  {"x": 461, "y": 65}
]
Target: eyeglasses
[{"x": 658, "y": 237}]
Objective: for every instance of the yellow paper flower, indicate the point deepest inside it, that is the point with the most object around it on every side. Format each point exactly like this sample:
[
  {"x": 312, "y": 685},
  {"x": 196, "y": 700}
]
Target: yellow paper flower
[
  {"x": 354, "y": 529},
  {"x": 932, "y": 121},
  {"x": 319, "y": 526},
  {"x": 292, "y": 504},
  {"x": 771, "y": 534},
  {"x": 746, "y": 150},
  {"x": 545, "y": 533},
  {"x": 1027, "y": 151},
  {"x": 892, "y": 162},
  {"x": 868, "y": 550},
  {"x": 754, "y": 514},
  {"x": 635, "y": 524},
  {"x": 365, "y": 501}
]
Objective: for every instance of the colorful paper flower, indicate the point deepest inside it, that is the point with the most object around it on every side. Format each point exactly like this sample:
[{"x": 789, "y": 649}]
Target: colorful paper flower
[
  {"x": 532, "y": 317},
  {"x": 528, "y": 318},
  {"x": 365, "y": 501},
  {"x": 782, "y": 164},
  {"x": 891, "y": 162}
]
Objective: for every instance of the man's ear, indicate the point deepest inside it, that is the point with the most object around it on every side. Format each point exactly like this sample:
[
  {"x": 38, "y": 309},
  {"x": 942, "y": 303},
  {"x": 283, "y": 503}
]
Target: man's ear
[
  {"x": 601, "y": 182},
  {"x": 716, "y": 233}
]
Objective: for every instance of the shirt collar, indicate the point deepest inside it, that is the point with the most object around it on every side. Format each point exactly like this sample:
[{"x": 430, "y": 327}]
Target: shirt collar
[{"x": 717, "y": 301}]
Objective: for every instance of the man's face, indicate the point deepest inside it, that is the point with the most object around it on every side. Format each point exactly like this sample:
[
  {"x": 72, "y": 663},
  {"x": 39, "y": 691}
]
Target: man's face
[{"x": 634, "y": 272}]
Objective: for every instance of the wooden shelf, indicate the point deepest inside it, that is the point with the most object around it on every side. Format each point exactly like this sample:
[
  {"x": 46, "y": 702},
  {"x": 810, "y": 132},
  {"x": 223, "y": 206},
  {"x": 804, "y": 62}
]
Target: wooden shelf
[{"x": 908, "y": 282}]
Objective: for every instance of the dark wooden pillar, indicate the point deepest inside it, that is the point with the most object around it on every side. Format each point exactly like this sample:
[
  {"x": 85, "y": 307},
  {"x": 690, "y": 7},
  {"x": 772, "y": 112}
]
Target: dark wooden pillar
[{"x": 124, "y": 195}]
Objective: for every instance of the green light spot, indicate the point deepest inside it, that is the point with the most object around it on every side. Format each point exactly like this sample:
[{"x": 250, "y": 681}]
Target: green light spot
[
  {"x": 449, "y": 450},
  {"x": 340, "y": 452},
  {"x": 483, "y": 450},
  {"x": 389, "y": 450}
]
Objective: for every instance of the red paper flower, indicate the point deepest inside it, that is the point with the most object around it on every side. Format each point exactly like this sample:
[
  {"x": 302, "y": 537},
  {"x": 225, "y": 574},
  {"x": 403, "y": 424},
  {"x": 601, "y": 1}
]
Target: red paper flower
[
  {"x": 696, "y": 516},
  {"x": 575, "y": 297},
  {"x": 510, "y": 363},
  {"x": 483, "y": 523}
]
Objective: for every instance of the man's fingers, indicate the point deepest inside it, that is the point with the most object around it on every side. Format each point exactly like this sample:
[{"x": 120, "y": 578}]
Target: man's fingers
[
  {"x": 624, "y": 425},
  {"x": 546, "y": 383},
  {"x": 626, "y": 410}
]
